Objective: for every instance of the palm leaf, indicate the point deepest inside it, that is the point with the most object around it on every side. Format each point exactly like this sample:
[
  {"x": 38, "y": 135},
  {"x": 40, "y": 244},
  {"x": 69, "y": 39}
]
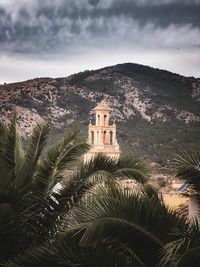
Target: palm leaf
[
  {"x": 11, "y": 153},
  {"x": 38, "y": 141},
  {"x": 188, "y": 164},
  {"x": 45, "y": 255},
  {"x": 60, "y": 254},
  {"x": 100, "y": 169},
  {"x": 3, "y": 133},
  {"x": 184, "y": 237},
  {"x": 135, "y": 220},
  {"x": 59, "y": 158}
]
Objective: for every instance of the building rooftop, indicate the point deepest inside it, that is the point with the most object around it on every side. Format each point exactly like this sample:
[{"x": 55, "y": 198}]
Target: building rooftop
[{"x": 102, "y": 106}]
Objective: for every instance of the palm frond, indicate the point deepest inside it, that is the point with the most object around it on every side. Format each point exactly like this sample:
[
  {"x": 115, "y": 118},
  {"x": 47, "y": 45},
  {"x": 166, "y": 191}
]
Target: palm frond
[
  {"x": 132, "y": 168},
  {"x": 184, "y": 238},
  {"x": 19, "y": 156},
  {"x": 59, "y": 158},
  {"x": 60, "y": 254},
  {"x": 11, "y": 154},
  {"x": 140, "y": 164},
  {"x": 45, "y": 255},
  {"x": 101, "y": 169},
  {"x": 3, "y": 133},
  {"x": 131, "y": 173},
  {"x": 7, "y": 235},
  {"x": 188, "y": 158},
  {"x": 188, "y": 164},
  {"x": 38, "y": 141},
  {"x": 140, "y": 223},
  {"x": 152, "y": 193}
]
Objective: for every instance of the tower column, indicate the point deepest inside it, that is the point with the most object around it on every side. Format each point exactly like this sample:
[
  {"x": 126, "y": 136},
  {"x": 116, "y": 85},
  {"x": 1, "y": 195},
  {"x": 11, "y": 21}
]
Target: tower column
[
  {"x": 90, "y": 137},
  {"x": 99, "y": 137},
  {"x": 114, "y": 137},
  {"x": 98, "y": 119},
  {"x": 95, "y": 137}
]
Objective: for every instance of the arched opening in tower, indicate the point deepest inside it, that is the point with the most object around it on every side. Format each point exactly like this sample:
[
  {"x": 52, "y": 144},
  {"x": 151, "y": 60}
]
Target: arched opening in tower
[
  {"x": 104, "y": 122},
  {"x": 98, "y": 121}
]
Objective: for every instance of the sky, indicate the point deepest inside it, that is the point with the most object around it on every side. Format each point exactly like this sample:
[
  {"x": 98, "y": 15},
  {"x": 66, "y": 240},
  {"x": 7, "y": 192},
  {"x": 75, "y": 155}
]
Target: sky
[{"x": 56, "y": 38}]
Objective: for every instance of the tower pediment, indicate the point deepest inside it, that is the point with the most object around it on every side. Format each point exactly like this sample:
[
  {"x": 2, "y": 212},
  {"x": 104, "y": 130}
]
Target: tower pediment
[{"x": 102, "y": 106}]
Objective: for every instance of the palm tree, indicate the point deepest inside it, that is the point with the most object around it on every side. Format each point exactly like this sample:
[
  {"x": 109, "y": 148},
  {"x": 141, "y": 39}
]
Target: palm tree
[
  {"x": 188, "y": 163},
  {"x": 31, "y": 210},
  {"x": 137, "y": 224},
  {"x": 28, "y": 212}
]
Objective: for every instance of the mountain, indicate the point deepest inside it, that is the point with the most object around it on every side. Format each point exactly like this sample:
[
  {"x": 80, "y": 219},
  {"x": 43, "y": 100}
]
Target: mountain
[{"x": 156, "y": 111}]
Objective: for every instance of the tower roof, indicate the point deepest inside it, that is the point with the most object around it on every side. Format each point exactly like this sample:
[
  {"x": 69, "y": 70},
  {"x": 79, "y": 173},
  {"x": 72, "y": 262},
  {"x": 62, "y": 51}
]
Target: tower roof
[{"x": 102, "y": 106}]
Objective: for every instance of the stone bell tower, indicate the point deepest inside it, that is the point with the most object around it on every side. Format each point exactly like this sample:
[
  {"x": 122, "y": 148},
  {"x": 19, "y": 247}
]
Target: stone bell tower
[{"x": 102, "y": 136}]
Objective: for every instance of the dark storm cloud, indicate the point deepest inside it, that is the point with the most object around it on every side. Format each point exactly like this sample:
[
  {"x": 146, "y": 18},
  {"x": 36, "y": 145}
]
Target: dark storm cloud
[
  {"x": 39, "y": 26},
  {"x": 93, "y": 2},
  {"x": 160, "y": 15}
]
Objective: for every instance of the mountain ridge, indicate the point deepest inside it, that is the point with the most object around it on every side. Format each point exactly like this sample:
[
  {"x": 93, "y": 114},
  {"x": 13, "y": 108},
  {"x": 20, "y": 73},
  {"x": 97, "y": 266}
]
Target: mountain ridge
[{"x": 142, "y": 98}]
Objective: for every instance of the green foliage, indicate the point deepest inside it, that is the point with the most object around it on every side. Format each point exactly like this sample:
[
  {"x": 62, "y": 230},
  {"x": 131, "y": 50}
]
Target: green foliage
[
  {"x": 188, "y": 163},
  {"x": 90, "y": 220},
  {"x": 137, "y": 221},
  {"x": 29, "y": 215},
  {"x": 158, "y": 141},
  {"x": 80, "y": 76},
  {"x": 32, "y": 211},
  {"x": 184, "y": 250},
  {"x": 166, "y": 86}
]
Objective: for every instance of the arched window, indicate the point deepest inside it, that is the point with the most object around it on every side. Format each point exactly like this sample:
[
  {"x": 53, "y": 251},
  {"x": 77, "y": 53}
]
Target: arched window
[
  {"x": 92, "y": 137},
  {"x": 111, "y": 138},
  {"x": 104, "y": 120},
  {"x": 98, "y": 122}
]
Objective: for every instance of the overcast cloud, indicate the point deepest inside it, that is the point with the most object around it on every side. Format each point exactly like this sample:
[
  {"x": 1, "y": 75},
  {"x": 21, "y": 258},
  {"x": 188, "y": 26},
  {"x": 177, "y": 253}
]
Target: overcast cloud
[{"x": 94, "y": 33}]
